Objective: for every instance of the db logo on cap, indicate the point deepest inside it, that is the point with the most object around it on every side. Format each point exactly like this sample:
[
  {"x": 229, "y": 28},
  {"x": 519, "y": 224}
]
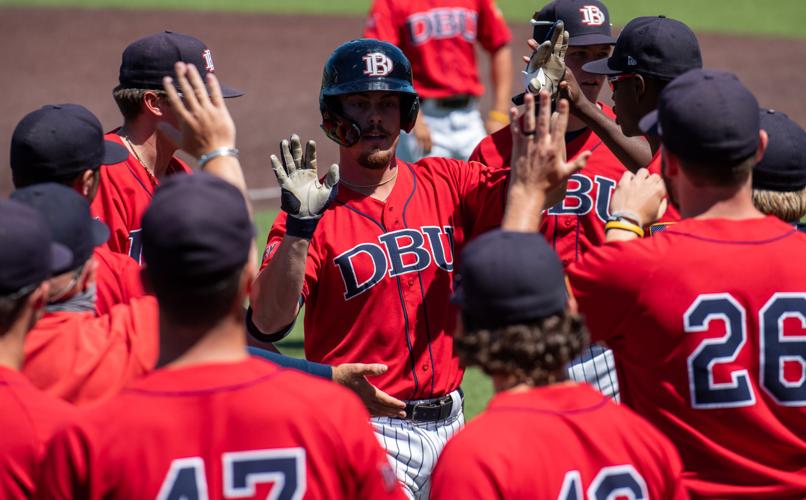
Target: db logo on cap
[
  {"x": 377, "y": 64},
  {"x": 208, "y": 61},
  {"x": 592, "y": 15}
]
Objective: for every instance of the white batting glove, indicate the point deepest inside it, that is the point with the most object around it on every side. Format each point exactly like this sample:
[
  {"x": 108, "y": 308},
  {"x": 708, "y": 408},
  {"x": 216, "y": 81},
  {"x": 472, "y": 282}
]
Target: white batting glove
[
  {"x": 303, "y": 197},
  {"x": 546, "y": 66}
]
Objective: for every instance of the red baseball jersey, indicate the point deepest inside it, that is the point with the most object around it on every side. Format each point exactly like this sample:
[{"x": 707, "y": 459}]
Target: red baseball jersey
[
  {"x": 565, "y": 442},
  {"x": 117, "y": 279},
  {"x": 437, "y": 36},
  {"x": 124, "y": 193},
  {"x": 379, "y": 274},
  {"x": 239, "y": 430},
  {"x": 707, "y": 321},
  {"x": 577, "y": 224},
  {"x": 28, "y": 419},
  {"x": 83, "y": 358}
]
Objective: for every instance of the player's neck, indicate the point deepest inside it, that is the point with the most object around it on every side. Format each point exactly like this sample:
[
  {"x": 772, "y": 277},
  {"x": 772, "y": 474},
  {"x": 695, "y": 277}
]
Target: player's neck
[
  {"x": 144, "y": 143},
  {"x": 12, "y": 342},
  {"x": 376, "y": 183},
  {"x": 224, "y": 342},
  {"x": 714, "y": 202}
]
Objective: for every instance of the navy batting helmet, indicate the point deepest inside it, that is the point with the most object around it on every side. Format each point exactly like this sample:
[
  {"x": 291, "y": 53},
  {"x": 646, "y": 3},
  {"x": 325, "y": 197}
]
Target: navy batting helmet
[{"x": 364, "y": 65}]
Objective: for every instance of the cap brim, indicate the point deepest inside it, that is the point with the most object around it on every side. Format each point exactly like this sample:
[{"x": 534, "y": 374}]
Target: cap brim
[
  {"x": 591, "y": 39},
  {"x": 61, "y": 258},
  {"x": 114, "y": 153},
  {"x": 229, "y": 92},
  {"x": 600, "y": 67},
  {"x": 100, "y": 233},
  {"x": 649, "y": 124},
  {"x": 518, "y": 99}
]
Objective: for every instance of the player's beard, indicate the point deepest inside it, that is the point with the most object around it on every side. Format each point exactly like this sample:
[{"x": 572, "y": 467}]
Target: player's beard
[{"x": 377, "y": 158}]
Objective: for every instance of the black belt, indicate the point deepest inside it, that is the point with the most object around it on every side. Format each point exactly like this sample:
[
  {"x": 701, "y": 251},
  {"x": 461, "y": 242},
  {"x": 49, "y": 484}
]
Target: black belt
[
  {"x": 454, "y": 102},
  {"x": 431, "y": 411}
]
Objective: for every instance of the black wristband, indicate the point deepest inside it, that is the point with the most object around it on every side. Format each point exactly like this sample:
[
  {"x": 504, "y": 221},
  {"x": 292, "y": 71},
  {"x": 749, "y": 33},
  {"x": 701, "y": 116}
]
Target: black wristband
[{"x": 300, "y": 228}]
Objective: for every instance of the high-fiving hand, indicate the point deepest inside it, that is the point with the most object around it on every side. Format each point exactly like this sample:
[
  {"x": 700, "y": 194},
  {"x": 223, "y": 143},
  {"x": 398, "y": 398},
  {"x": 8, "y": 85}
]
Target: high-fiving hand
[
  {"x": 546, "y": 66},
  {"x": 303, "y": 196}
]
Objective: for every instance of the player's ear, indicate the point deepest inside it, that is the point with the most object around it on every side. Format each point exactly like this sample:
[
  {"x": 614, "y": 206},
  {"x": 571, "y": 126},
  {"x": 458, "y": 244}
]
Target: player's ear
[
  {"x": 763, "y": 141},
  {"x": 84, "y": 183},
  {"x": 153, "y": 103}
]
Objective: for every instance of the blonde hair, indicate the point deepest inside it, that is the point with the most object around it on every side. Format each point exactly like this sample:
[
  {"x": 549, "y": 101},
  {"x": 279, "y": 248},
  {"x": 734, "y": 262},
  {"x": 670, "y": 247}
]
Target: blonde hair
[{"x": 789, "y": 206}]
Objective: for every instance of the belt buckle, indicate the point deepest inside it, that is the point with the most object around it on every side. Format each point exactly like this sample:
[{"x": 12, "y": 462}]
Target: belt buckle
[{"x": 428, "y": 412}]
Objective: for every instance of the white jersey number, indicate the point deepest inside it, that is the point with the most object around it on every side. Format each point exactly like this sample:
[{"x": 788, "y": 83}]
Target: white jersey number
[
  {"x": 621, "y": 481},
  {"x": 243, "y": 471}
]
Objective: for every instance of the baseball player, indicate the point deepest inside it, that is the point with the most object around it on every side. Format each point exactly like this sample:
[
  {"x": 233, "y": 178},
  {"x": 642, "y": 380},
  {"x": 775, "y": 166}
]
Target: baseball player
[
  {"x": 705, "y": 317},
  {"x": 438, "y": 38},
  {"x": 64, "y": 143},
  {"x": 374, "y": 270},
  {"x": 239, "y": 426},
  {"x": 779, "y": 179},
  {"x": 576, "y": 224},
  {"x": 29, "y": 417},
  {"x": 70, "y": 352},
  {"x": 541, "y": 436},
  {"x": 649, "y": 53},
  {"x": 125, "y": 190}
]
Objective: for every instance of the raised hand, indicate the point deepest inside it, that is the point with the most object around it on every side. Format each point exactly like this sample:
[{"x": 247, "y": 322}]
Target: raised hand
[
  {"x": 546, "y": 66},
  {"x": 303, "y": 196},
  {"x": 642, "y": 195}
]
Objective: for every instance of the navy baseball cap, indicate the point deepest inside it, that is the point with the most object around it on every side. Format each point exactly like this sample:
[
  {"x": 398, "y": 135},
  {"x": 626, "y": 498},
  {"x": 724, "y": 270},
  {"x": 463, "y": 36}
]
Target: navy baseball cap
[
  {"x": 586, "y": 21},
  {"x": 147, "y": 60},
  {"x": 508, "y": 277},
  {"x": 783, "y": 167},
  {"x": 68, "y": 215},
  {"x": 706, "y": 115},
  {"x": 196, "y": 229},
  {"x": 60, "y": 141},
  {"x": 655, "y": 46},
  {"x": 28, "y": 254}
]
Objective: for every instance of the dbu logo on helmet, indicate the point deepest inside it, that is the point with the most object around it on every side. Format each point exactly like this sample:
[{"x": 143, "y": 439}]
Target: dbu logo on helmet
[
  {"x": 377, "y": 64},
  {"x": 592, "y": 15}
]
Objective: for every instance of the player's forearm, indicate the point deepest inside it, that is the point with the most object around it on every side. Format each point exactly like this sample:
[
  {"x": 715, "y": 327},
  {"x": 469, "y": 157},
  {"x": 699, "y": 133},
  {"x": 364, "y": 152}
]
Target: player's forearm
[
  {"x": 633, "y": 152},
  {"x": 276, "y": 291},
  {"x": 501, "y": 78},
  {"x": 523, "y": 209}
]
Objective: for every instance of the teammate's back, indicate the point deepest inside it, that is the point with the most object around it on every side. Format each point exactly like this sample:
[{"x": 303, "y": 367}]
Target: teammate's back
[
  {"x": 725, "y": 347},
  {"x": 574, "y": 440},
  {"x": 224, "y": 428}
]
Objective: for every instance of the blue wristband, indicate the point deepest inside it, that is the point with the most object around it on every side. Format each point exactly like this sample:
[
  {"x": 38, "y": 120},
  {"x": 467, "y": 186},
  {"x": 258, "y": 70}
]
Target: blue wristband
[
  {"x": 303, "y": 365},
  {"x": 300, "y": 228}
]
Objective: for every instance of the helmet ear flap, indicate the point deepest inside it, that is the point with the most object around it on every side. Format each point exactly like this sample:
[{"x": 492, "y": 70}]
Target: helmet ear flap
[
  {"x": 336, "y": 127},
  {"x": 408, "y": 111}
]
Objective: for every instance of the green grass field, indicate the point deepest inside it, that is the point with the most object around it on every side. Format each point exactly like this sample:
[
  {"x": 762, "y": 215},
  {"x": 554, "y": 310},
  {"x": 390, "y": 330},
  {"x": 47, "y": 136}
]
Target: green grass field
[
  {"x": 477, "y": 386},
  {"x": 777, "y": 17}
]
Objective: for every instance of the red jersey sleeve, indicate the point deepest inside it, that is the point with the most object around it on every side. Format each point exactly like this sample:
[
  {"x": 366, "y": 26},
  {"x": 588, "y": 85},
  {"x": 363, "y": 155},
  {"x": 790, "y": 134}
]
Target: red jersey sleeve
[
  {"x": 382, "y": 23},
  {"x": 483, "y": 193},
  {"x": 606, "y": 283},
  {"x": 117, "y": 280},
  {"x": 493, "y": 30},
  {"x": 313, "y": 262}
]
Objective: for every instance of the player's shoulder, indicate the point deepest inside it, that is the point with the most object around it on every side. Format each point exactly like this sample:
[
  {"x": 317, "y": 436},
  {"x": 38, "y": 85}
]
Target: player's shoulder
[{"x": 16, "y": 390}]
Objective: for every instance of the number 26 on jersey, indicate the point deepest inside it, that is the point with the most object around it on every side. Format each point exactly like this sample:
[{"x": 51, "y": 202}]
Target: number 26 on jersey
[{"x": 781, "y": 341}]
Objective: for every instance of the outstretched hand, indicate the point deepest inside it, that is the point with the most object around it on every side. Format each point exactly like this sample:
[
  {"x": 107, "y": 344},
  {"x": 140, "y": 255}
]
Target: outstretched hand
[
  {"x": 354, "y": 376},
  {"x": 204, "y": 120},
  {"x": 538, "y": 160},
  {"x": 303, "y": 196},
  {"x": 546, "y": 66},
  {"x": 642, "y": 194}
]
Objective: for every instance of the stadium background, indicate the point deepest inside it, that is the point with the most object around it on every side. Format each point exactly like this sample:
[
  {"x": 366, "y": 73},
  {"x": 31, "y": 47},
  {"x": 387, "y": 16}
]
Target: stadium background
[{"x": 54, "y": 51}]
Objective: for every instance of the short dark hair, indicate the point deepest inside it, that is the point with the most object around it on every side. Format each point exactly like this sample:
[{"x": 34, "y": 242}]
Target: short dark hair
[
  {"x": 21, "y": 180},
  {"x": 130, "y": 101},
  {"x": 717, "y": 173},
  {"x": 191, "y": 305},
  {"x": 11, "y": 306},
  {"x": 535, "y": 352}
]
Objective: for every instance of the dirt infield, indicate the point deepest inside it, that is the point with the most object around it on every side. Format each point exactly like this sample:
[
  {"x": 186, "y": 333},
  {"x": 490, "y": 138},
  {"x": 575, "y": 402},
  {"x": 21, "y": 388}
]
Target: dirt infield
[{"x": 51, "y": 56}]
